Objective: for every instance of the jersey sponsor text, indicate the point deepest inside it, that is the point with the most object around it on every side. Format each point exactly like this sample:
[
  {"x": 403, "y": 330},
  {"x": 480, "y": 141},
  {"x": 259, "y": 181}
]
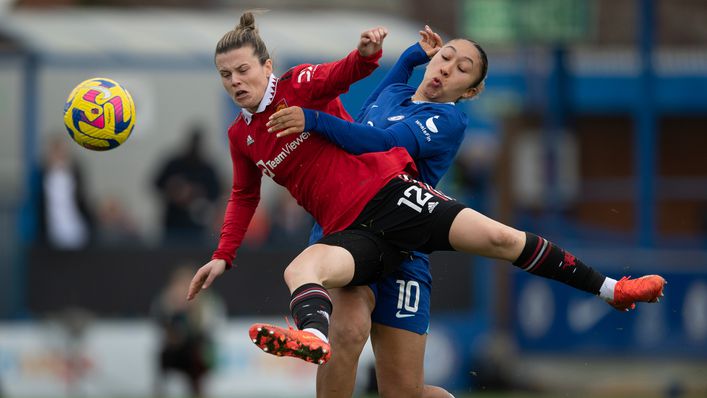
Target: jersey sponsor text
[{"x": 268, "y": 166}]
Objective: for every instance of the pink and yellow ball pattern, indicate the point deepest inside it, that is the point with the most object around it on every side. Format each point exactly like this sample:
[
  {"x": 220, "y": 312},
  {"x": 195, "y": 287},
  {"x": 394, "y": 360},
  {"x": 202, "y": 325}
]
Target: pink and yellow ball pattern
[{"x": 99, "y": 114}]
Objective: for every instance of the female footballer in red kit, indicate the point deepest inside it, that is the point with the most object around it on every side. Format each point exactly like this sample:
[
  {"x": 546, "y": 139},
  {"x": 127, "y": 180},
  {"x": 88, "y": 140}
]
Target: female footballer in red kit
[{"x": 246, "y": 71}]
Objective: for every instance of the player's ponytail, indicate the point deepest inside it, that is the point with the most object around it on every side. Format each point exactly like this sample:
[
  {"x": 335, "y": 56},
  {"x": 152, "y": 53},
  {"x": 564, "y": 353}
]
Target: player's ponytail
[
  {"x": 247, "y": 22},
  {"x": 244, "y": 34}
]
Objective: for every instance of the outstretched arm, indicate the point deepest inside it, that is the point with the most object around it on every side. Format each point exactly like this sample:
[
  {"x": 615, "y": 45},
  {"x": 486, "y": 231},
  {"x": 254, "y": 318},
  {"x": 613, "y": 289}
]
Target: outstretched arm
[
  {"x": 352, "y": 137},
  {"x": 360, "y": 138},
  {"x": 324, "y": 82},
  {"x": 426, "y": 134},
  {"x": 242, "y": 203}
]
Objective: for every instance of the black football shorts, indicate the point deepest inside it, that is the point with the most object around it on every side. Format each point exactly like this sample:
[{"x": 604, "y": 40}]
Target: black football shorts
[
  {"x": 410, "y": 215},
  {"x": 405, "y": 215},
  {"x": 374, "y": 258}
]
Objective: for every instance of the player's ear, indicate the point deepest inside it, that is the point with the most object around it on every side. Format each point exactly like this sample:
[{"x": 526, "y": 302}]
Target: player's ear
[
  {"x": 470, "y": 93},
  {"x": 268, "y": 67}
]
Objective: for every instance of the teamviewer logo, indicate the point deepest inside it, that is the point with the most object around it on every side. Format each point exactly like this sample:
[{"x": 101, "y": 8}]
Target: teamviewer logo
[{"x": 264, "y": 169}]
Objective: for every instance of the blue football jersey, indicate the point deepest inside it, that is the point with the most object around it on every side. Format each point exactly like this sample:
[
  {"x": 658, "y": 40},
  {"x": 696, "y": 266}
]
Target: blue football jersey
[
  {"x": 437, "y": 129},
  {"x": 431, "y": 131}
]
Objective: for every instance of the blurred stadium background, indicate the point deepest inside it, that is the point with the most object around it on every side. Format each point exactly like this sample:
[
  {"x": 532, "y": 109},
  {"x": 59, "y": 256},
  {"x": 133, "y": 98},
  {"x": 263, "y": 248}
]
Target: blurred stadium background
[{"x": 592, "y": 131}]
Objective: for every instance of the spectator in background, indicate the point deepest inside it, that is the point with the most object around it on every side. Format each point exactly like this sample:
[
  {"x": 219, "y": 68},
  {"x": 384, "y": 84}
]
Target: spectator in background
[
  {"x": 187, "y": 345},
  {"x": 114, "y": 226},
  {"x": 291, "y": 224},
  {"x": 65, "y": 221},
  {"x": 474, "y": 168},
  {"x": 189, "y": 187},
  {"x": 260, "y": 235}
]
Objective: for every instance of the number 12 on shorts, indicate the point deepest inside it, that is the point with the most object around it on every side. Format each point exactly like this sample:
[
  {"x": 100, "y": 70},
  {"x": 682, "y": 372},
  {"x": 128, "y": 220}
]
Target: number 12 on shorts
[
  {"x": 420, "y": 197},
  {"x": 405, "y": 296}
]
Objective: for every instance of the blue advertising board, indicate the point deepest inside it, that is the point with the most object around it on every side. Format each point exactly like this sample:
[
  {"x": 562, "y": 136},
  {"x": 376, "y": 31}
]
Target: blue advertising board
[{"x": 552, "y": 317}]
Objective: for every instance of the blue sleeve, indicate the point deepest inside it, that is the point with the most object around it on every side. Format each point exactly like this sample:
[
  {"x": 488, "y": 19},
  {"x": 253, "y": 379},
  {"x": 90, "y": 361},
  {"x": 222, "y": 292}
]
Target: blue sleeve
[
  {"x": 399, "y": 73},
  {"x": 360, "y": 138},
  {"x": 425, "y": 134},
  {"x": 316, "y": 233}
]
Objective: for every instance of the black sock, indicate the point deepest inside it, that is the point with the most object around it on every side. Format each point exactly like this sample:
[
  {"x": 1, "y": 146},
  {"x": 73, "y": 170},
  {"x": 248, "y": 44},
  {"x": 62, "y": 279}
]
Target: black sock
[
  {"x": 541, "y": 257},
  {"x": 311, "y": 307}
]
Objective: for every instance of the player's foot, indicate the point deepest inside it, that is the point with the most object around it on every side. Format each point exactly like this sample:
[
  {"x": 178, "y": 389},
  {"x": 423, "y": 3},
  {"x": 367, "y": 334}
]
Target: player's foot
[
  {"x": 290, "y": 342},
  {"x": 628, "y": 291}
]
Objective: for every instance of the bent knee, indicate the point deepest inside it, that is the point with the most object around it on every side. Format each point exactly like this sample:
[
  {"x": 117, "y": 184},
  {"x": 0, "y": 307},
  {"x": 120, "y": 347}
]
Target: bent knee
[
  {"x": 503, "y": 238},
  {"x": 398, "y": 380},
  {"x": 401, "y": 388},
  {"x": 292, "y": 272},
  {"x": 349, "y": 334},
  {"x": 436, "y": 392},
  {"x": 305, "y": 267}
]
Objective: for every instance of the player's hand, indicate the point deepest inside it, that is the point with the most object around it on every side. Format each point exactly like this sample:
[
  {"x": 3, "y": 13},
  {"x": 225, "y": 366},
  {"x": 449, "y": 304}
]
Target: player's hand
[
  {"x": 430, "y": 41},
  {"x": 372, "y": 41},
  {"x": 205, "y": 276},
  {"x": 287, "y": 121}
]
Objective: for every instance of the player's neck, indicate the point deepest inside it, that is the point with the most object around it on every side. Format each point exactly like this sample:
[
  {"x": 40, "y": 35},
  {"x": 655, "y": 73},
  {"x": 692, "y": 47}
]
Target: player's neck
[{"x": 419, "y": 96}]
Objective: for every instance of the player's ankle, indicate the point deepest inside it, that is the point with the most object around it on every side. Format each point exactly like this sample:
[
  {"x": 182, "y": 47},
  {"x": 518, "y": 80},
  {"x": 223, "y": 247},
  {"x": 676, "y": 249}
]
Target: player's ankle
[
  {"x": 606, "y": 291},
  {"x": 317, "y": 333}
]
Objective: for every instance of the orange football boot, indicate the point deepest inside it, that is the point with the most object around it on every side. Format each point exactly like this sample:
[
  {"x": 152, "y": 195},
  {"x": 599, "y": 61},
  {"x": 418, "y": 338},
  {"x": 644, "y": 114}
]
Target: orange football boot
[
  {"x": 628, "y": 291},
  {"x": 290, "y": 343}
]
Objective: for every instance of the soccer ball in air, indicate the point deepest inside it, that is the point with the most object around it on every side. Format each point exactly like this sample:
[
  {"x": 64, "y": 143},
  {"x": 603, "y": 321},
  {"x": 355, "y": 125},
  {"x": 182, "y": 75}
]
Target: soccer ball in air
[{"x": 99, "y": 114}]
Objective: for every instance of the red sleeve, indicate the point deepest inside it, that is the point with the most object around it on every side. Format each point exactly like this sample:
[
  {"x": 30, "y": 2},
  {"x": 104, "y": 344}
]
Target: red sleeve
[
  {"x": 324, "y": 82},
  {"x": 244, "y": 198}
]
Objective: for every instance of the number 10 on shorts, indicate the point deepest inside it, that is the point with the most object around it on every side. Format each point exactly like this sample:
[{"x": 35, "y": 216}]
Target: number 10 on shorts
[{"x": 405, "y": 295}]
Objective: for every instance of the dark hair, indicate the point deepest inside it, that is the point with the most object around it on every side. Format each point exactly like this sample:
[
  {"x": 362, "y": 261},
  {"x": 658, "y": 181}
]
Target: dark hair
[
  {"x": 244, "y": 34},
  {"x": 484, "y": 62}
]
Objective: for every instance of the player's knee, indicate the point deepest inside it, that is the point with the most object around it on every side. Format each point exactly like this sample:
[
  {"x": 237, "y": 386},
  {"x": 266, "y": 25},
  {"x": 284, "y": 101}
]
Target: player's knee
[
  {"x": 297, "y": 273},
  {"x": 396, "y": 381},
  {"x": 436, "y": 392},
  {"x": 291, "y": 272},
  {"x": 350, "y": 335},
  {"x": 502, "y": 238},
  {"x": 306, "y": 268},
  {"x": 401, "y": 388}
]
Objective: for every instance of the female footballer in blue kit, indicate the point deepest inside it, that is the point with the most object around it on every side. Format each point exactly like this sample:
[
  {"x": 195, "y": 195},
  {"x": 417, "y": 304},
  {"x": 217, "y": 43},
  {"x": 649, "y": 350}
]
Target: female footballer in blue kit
[
  {"x": 431, "y": 128},
  {"x": 396, "y": 310}
]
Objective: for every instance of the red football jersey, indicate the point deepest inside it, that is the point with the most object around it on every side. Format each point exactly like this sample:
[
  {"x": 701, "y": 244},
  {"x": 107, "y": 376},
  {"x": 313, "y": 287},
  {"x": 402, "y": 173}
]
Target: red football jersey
[{"x": 330, "y": 183}]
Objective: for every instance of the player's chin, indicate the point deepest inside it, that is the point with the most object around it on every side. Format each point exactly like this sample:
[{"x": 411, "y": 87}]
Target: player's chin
[
  {"x": 243, "y": 103},
  {"x": 433, "y": 95}
]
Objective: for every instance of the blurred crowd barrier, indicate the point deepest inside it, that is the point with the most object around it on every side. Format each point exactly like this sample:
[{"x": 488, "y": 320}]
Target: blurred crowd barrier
[
  {"x": 122, "y": 282},
  {"x": 118, "y": 358}
]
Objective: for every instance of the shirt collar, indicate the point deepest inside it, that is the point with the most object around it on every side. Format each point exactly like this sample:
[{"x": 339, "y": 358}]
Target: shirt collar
[
  {"x": 430, "y": 102},
  {"x": 267, "y": 99}
]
